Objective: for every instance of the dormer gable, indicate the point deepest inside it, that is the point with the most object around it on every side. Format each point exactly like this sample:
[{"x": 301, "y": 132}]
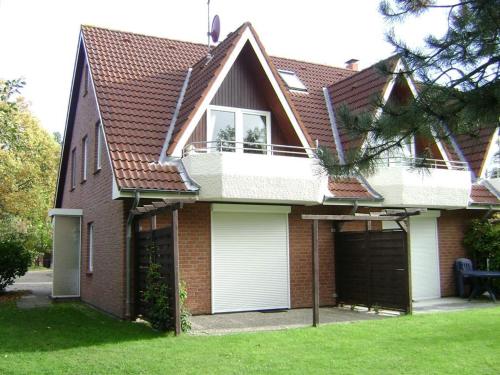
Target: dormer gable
[{"x": 238, "y": 75}]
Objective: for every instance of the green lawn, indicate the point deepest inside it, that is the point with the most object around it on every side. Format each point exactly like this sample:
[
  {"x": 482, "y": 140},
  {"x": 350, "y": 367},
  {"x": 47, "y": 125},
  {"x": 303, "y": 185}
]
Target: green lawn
[{"x": 73, "y": 339}]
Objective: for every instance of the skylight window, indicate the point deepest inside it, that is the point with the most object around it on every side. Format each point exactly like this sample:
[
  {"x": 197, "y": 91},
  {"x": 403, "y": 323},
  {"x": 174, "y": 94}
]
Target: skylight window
[{"x": 292, "y": 81}]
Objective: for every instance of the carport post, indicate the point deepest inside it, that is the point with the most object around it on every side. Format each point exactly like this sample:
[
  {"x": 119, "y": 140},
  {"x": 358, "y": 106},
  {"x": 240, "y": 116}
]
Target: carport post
[
  {"x": 315, "y": 262},
  {"x": 175, "y": 240}
]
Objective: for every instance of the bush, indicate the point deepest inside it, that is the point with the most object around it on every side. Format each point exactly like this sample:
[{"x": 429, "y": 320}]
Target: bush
[
  {"x": 482, "y": 240},
  {"x": 14, "y": 262}
]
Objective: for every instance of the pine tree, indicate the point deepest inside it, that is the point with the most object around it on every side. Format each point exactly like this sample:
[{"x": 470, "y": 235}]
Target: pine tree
[{"x": 456, "y": 76}]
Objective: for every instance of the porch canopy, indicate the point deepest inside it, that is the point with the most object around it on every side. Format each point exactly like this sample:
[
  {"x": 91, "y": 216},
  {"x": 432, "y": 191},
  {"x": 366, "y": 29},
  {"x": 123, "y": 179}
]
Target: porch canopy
[{"x": 66, "y": 248}]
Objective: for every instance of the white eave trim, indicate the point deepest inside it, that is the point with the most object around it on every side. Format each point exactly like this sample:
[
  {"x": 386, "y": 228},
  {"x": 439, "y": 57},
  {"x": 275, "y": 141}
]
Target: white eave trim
[
  {"x": 247, "y": 36},
  {"x": 251, "y": 208},
  {"x": 65, "y": 212},
  {"x": 489, "y": 154}
]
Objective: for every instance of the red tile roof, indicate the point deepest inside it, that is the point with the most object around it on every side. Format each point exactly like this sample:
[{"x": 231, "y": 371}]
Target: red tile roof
[
  {"x": 475, "y": 147},
  {"x": 350, "y": 188},
  {"x": 480, "y": 194},
  {"x": 358, "y": 92},
  {"x": 138, "y": 80}
]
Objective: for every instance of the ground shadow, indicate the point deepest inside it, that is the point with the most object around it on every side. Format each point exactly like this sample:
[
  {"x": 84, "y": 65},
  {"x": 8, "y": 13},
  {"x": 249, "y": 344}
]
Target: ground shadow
[{"x": 63, "y": 326}]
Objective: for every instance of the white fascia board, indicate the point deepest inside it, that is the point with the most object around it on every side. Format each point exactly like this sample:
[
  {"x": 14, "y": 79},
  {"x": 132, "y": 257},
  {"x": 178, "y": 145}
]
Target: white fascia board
[
  {"x": 489, "y": 154},
  {"x": 65, "y": 212},
  {"x": 247, "y": 36},
  {"x": 251, "y": 208},
  {"x": 101, "y": 123},
  {"x": 67, "y": 115},
  {"x": 188, "y": 196}
]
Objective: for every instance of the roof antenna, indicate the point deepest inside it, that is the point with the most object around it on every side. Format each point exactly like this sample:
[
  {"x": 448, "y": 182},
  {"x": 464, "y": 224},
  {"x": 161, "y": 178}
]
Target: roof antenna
[{"x": 213, "y": 31}]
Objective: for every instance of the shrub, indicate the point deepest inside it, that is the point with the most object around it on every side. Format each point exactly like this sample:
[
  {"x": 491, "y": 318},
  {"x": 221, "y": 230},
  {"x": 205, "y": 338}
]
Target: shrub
[
  {"x": 482, "y": 240},
  {"x": 14, "y": 261}
]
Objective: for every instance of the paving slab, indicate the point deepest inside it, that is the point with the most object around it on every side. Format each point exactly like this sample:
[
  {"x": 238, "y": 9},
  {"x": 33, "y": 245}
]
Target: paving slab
[
  {"x": 274, "y": 320},
  {"x": 451, "y": 304},
  {"x": 39, "y": 285}
]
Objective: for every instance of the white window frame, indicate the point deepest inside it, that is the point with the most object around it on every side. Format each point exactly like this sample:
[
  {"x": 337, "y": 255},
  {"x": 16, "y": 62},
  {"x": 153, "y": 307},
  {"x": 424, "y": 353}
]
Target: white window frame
[
  {"x": 85, "y": 142},
  {"x": 90, "y": 264},
  {"x": 283, "y": 73},
  {"x": 98, "y": 140},
  {"x": 238, "y": 118}
]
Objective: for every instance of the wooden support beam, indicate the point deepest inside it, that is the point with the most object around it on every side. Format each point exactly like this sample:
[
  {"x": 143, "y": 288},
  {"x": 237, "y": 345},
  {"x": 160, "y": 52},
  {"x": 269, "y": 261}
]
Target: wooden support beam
[
  {"x": 315, "y": 263},
  {"x": 175, "y": 242},
  {"x": 352, "y": 217}
]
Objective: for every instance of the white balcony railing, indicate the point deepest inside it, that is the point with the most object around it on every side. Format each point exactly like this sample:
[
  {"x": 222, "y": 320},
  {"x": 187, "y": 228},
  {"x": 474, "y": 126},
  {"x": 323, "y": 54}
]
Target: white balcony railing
[
  {"x": 423, "y": 163},
  {"x": 246, "y": 147}
]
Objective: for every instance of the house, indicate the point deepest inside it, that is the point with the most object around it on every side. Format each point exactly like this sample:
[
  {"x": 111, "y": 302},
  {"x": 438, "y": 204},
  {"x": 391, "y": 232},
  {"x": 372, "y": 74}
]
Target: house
[{"x": 234, "y": 133}]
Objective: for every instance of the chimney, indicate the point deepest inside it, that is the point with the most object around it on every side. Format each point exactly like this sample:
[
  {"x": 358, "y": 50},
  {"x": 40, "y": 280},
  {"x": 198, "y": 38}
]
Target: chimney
[{"x": 352, "y": 64}]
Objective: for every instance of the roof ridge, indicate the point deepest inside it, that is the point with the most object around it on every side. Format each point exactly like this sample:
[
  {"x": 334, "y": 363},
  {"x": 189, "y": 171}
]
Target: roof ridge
[
  {"x": 362, "y": 70},
  {"x": 312, "y": 63}
]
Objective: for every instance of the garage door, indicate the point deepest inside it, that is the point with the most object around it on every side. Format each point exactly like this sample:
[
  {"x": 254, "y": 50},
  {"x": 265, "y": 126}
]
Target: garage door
[
  {"x": 249, "y": 258},
  {"x": 424, "y": 258}
]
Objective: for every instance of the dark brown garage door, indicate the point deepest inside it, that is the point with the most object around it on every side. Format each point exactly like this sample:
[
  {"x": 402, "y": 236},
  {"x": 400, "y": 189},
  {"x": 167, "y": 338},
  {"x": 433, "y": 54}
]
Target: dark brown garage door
[{"x": 372, "y": 269}]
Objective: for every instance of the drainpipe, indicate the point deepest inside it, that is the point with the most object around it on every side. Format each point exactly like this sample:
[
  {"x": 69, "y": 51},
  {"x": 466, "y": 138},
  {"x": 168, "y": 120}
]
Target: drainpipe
[{"x": 130, "y": 220}]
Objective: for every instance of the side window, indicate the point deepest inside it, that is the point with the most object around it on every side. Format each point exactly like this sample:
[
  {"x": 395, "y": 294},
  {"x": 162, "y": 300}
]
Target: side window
[
  {"x": 85, "y": 79},
  {"x": 73, "y": 168},
  {"x": 84, "y": 158},
  {"x": 90, "y": 231},
  {"x": 98, "y": 147}
]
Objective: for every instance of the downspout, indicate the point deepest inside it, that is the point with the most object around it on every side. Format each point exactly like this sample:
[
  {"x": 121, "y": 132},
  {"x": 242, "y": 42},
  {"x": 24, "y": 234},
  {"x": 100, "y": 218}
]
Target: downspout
[{"x": 128, "y": 240}]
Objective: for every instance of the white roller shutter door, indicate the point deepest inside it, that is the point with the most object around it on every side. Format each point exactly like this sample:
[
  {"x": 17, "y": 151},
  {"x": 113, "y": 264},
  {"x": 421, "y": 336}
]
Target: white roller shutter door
[
  {"x": 424, "y": 258},
  {"x": 249, "y": 261}
]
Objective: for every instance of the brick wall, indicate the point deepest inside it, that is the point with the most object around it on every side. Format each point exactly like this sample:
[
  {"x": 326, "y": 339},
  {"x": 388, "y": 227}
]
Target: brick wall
[
  {"x": 451, "y": 228},
  {"x": 105, "y": 286},
  {"x": 195, "y": 256}
]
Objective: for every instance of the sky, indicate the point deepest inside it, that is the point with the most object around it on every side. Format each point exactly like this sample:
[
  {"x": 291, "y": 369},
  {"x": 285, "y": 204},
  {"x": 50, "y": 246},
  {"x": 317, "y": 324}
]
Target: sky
[{"x": 38, "y": 38}]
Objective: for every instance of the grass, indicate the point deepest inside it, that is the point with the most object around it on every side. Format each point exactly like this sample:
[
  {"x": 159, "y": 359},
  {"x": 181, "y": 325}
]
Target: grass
[{"x": 74, "y": 339}]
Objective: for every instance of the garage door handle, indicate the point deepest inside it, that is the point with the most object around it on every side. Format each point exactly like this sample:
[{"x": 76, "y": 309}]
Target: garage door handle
[{"x": 400, "y": 269}]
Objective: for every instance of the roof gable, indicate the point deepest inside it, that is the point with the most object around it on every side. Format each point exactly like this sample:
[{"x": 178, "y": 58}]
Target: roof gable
[{"x": 207, "y": 77}]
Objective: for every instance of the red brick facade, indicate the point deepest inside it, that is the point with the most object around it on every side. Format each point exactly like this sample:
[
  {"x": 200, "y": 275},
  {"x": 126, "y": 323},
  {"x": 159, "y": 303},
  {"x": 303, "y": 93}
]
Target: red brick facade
[
  {"x": 451, "y": 228},
  {"x": 105, "y": 286}
]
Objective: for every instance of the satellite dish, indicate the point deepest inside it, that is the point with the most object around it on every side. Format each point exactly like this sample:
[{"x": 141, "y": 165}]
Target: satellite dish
[{"x": 215, "y": 32}]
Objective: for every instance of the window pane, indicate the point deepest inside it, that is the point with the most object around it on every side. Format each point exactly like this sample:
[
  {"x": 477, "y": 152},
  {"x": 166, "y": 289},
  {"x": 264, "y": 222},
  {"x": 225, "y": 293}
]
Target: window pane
[
  {"x": 254, "y": 131},
  {"x": 224, "y": 129}
]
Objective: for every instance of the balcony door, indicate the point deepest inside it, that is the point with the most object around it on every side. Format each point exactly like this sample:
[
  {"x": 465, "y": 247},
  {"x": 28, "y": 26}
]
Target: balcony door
[{"x": 238, "y": 130}]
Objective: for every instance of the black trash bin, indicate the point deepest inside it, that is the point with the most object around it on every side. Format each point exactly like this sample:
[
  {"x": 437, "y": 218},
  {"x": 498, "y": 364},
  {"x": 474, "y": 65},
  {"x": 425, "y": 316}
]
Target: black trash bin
[{"x": 461, "y": 265}]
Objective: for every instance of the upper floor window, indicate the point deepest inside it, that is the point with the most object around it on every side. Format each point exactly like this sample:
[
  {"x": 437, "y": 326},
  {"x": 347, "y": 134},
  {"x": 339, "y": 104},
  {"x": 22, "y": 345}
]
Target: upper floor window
[
  {"x": 84, "y": 158},
  {"x": 98, "y": 147},
  {"x": 73, "y": 168},
  {"x": 292, "y": 81},
  {"x": 239, "y": 130}
]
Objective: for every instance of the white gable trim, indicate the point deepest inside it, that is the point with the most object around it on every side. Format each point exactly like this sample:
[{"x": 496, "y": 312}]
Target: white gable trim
[
  {"x": 247, "y": 36},
  {"x": 489, "y": 154},
  {"x": 399, "y": 68}
]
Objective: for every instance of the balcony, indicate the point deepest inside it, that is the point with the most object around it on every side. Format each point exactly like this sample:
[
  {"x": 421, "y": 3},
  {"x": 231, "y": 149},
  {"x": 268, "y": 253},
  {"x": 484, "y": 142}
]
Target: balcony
[
  {"x": 255, "y": 172},
  {"x": 416, "y": 182}
]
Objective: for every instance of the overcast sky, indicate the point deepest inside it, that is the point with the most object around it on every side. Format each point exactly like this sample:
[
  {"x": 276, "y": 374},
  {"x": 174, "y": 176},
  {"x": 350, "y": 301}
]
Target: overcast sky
[{"x": 38, "y": 38}]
